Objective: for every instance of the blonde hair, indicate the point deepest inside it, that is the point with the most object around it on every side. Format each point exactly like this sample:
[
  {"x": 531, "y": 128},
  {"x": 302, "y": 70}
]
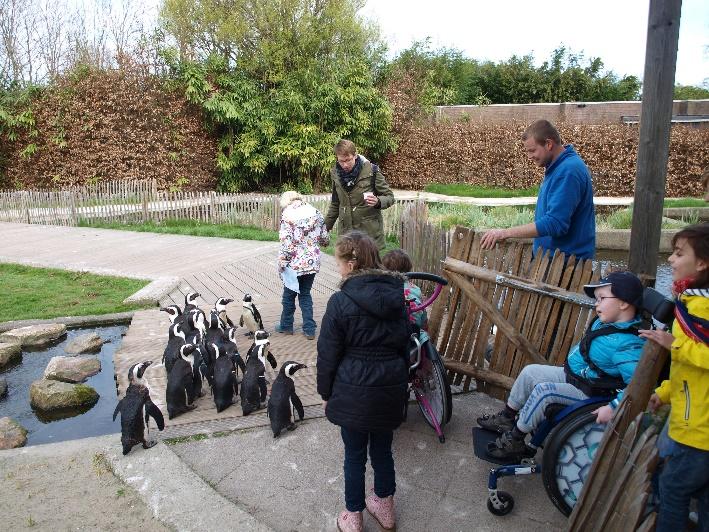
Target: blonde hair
[
  {"x": 288, "y": 197},
  {"x": 359, "y": 248}
]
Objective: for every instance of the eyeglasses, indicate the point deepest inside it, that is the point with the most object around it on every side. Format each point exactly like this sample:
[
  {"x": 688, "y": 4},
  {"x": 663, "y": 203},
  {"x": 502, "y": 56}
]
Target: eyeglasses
[{"x": 600, "y": 299}]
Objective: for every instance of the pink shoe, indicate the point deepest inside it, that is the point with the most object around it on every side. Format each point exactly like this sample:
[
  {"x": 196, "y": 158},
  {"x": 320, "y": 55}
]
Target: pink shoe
[
  {"x": 382, "y": 510},
  {"x": 349, "y": 522}
]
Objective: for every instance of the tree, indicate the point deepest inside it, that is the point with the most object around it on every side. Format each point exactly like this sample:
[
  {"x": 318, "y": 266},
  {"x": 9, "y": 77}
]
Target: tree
[
  {"x": 280, "y": 81},
  {"x": 689, "y": 92}
]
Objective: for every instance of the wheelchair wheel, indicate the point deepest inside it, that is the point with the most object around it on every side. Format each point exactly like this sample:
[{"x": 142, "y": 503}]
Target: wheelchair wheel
[
  {"x": 433, "y": 385},
  {"x": 568, "y": 454},
  {"x": 502, "y": 503}
]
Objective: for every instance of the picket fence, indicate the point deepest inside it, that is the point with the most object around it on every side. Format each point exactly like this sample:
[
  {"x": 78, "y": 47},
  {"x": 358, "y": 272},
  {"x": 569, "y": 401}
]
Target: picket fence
[{"x": 141, "y": 201}]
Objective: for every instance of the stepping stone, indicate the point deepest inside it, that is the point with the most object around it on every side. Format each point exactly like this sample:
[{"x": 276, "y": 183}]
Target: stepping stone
[
  {"x": 48, "y": 394},
  {"x": 34, "y": 335},
  {"x": 72, "y": 369},
  {"x": 12, "y": 434},
  {"x": 10, "y": 354},
  {"x": 86, "y": 343}
]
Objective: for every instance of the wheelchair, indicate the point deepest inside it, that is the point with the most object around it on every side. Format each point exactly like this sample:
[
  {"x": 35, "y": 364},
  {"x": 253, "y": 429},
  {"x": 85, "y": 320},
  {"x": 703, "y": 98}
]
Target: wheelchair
[{"x": 569, "y": 436}]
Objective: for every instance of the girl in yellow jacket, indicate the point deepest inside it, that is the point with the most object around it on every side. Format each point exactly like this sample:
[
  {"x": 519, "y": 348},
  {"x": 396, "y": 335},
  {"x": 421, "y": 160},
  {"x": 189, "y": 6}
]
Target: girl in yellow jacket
[{"x": 686, "y": 472}]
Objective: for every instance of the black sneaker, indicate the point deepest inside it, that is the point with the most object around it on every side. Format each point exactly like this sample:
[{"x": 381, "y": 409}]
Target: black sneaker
[
  {"x": 499, "y": 422},
  {"x": 508, "y": 448}
]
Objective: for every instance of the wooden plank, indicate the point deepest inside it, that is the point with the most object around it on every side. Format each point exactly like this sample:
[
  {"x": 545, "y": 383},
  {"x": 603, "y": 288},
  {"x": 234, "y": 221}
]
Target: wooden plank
[{"x": 503, "y": 326}]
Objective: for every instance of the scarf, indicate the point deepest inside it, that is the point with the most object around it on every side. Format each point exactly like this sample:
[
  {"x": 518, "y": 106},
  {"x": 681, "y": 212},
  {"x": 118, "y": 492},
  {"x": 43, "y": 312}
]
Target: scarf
[
  {"x": 348, "y": 178},
  {"x": 694, "y": 327}
]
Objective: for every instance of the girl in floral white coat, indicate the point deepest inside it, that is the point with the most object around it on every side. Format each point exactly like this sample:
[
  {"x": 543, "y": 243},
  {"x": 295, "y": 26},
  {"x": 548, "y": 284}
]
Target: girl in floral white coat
[{"x": 302, "y": 232}]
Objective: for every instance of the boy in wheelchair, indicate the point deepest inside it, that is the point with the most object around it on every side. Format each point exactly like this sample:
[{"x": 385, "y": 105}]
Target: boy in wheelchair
[{"x": 602, "y": 363}]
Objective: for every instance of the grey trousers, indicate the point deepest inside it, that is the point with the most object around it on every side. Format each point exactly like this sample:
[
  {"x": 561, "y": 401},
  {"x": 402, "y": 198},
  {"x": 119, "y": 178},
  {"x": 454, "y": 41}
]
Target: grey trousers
[{"x": 537, "y": 386}]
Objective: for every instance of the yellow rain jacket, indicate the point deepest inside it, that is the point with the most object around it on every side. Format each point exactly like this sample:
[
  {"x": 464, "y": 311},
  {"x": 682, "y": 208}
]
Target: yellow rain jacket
[{"x": 687, "y": 390}]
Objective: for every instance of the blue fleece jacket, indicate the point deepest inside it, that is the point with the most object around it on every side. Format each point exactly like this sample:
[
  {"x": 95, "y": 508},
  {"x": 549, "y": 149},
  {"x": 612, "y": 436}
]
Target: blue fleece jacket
[
  {"x": 616, "y": 354},
  {"x": 565, "y": 217}
]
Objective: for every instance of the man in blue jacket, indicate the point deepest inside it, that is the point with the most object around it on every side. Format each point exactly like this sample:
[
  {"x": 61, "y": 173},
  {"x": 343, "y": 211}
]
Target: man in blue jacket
[{"x": 564, "y": 218}]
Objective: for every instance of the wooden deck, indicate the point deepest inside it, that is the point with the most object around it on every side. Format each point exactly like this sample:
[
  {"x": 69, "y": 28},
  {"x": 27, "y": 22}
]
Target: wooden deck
[{"x": 147, "y": 337}]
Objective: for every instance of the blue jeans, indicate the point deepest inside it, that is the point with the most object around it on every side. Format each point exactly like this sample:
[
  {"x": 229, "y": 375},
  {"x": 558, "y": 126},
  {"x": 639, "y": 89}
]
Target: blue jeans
[
  {"x": 356, "y": 459},
  {"x": 305, "y": 284},
  {"x": 684, "y": 476}
]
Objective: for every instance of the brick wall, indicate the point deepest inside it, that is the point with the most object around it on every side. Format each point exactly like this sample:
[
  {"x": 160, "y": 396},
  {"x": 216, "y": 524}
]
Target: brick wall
[{"x": 573, "y": 112}]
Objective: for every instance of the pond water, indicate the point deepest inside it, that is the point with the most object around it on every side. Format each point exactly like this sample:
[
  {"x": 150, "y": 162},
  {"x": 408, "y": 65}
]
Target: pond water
[
  {"x": 619, "y": 260},
  {"x": 69, "y": 424}
]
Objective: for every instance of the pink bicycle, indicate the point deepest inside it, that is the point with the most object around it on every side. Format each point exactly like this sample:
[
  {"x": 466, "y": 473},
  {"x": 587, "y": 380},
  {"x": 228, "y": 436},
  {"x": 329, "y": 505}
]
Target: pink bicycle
[{"x": 427, "y": 374}]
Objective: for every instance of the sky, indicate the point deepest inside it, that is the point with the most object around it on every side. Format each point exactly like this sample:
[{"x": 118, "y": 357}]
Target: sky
[{"x": 614, "y": 30}]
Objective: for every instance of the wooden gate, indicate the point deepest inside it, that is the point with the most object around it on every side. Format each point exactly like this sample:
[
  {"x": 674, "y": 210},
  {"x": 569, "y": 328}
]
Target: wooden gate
[{"x": 536, "y": 304}]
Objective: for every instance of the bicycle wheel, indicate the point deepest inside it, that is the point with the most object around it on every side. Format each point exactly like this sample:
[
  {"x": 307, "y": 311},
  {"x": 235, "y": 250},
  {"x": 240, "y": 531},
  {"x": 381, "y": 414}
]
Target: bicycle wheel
[
  {"x": 431, "y": 383},
  {"x": 568, "y": 454}
]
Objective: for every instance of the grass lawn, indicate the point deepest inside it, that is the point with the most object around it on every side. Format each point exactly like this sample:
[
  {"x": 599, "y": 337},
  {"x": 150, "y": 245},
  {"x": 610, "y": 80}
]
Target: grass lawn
[
  {"x": 685, "y": 202},
  {"x": 473, "y": 191},
  {"x": 190, "y": 227},
  {"x": 40, "y": 293}
]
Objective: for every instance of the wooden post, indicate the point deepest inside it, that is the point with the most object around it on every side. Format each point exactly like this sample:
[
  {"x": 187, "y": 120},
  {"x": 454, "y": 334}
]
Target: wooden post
[{"x": 655, "y": 122}]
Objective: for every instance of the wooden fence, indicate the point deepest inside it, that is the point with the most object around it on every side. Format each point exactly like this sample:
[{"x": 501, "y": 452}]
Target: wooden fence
[
  {"x": 141, "y": 201},
  {"x": 535, "y": 303}
]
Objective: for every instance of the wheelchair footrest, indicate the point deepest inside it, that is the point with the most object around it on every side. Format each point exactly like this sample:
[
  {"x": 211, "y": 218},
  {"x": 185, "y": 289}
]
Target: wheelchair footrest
[{"x": 481, "y": 439}]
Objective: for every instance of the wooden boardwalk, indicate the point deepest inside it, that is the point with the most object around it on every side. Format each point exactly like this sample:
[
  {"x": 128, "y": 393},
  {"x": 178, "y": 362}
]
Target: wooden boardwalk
[{"x": 147, "y": 337}]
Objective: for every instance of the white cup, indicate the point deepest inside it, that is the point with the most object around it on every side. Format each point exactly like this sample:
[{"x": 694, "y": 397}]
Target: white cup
[{"x": 367, "y": 195}]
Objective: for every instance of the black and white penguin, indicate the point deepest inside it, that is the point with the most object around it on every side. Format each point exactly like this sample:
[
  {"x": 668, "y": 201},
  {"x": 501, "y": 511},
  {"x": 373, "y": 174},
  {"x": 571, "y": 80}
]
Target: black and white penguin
[
  {"x": 250, "y": 317},
  {"x": 220, "y": 307},
  {"x": 233, "y": 351},
  {"x": 176, "y": 339},
  {"x": 215, "y": 331},
  {"x": 253, "y": 386},
  {"x": 225, "y": 386},
  {"x": 174, "y": 313},
  {"x": 136, "y": 409},
  {"x": 180, "y": 392},
  {"x": 283, "y": 399},
  {"x": 190, "y": 302},
  {"x": 195, "y": 326}
]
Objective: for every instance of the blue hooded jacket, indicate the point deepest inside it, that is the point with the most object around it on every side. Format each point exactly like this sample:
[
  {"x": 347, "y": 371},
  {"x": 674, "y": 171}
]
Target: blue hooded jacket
[
  {"x": 565, "y": 217},
  {"x": 616, "y": 354}
]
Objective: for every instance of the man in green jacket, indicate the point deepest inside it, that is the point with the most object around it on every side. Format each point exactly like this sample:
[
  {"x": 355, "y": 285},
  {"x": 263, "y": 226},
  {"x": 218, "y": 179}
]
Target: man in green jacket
[{"x": 359, "y": 193}]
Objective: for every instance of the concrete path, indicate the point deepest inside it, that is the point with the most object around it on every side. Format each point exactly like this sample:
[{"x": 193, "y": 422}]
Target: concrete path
[{"x": 123, "y": 253}]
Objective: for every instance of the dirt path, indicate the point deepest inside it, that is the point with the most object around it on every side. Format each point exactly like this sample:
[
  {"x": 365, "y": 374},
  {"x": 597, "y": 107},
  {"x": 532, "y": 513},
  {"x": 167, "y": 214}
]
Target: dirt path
[{"x": 68, "y": 486}]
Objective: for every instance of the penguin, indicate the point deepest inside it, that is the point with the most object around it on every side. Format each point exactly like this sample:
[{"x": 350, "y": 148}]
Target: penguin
[
  {"x": 190, "y": 299},
  {"x": 250, "y": 317},
  {"x": 180, "y": 393},
  {"x": 195, "y": 326},
  {"x": 233, "y": 351},
  {"x": 176, "y": 339},
  {"x": 283, "y": 399},
  {"x": 220, "y": 307},
  {"x": 174, "y": 313},
  {"x": 225, "y": 386},
  {"x": 253, "y": 386},
  {"x": 215, "y": 330},
  {"x": 136, "y": 409}
]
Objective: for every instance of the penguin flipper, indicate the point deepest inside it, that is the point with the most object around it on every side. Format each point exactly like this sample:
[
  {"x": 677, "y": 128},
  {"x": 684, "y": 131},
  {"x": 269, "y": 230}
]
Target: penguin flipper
[
  {"x": 257, "y": 317},
  {"x": 297, "y": 404},
  {"x": 271, "y": 360},
  {"x": 152, "y": 410},
  {"x": 236, "y": 357},
  {"x": 118, "y": 409},
  {"x": 262, "y": 387},
  {"x": 228, "y": 321},
  {"x": 241, "y": 321}
]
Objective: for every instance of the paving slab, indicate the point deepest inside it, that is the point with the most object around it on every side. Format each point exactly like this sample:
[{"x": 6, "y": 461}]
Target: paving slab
[{"x": 295, "y": 482}]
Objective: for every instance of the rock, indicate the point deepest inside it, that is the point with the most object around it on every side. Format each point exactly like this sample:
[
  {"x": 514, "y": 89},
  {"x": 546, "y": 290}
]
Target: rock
[
  {"x": 72, "y": 369},
  {"x": 12, "y": 434},
  {"x": 46, "y": 394},
  {"x": 9, "y": 354},
  {"x": 3, "y": 387},
  {"x": 34, "y": 335},
  {"x": 87, "y": 343}
]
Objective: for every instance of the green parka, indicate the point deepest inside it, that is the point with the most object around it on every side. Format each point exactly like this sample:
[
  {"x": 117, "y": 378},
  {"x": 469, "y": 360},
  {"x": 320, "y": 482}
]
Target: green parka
[{"x": 350, "y": 208}]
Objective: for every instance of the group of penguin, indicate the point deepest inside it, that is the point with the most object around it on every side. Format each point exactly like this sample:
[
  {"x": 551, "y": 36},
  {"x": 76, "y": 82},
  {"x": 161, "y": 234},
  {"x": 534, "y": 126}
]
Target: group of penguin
[{"x": 202, "y": 348}]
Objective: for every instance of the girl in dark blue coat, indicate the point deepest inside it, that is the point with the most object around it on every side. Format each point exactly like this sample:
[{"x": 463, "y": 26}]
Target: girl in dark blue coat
[{"x": 363, "y": 374}]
